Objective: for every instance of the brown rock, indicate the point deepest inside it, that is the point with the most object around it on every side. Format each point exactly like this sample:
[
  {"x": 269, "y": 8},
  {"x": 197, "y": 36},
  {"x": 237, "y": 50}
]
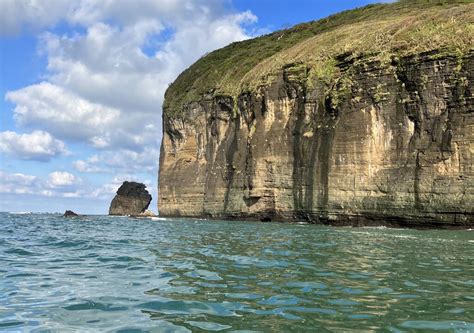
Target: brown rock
[
  {"x": 364, "y": 139},
  {"x": 132, "y": 199},
  {"x": 147, "y": 213},
  {"x": 289, "y": 153}
]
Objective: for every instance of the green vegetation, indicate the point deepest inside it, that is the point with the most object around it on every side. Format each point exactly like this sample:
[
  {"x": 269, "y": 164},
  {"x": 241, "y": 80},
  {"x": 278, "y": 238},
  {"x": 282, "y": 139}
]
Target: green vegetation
[{"x": 375, "y": 32}]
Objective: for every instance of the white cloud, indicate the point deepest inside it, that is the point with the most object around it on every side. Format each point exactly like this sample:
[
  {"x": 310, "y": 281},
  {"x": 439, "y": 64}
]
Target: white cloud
[
  {"x": 144, "y": 161},
  {"x": 61, "y": 112},
  {"x": 57, "y": 184},
  {"x": 30, "y": 14},
  {"x": 61, "y": 184},
  {"x": 126, "y": 12},
  {"x": 61, "y": 178},
  {"x": 38, "y": 145},
  {"x": 89, "y": 165},
  {"x": 203, "y": 36},
  {"x": 17, "y": 183},
  {"x": 107, "y": 71},
  {"x": 122, "y": 160},
  {"x": 105, "y": 84}
]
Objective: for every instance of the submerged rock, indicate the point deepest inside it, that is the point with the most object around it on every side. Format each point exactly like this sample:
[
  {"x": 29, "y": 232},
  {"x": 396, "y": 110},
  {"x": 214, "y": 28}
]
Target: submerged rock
[
  {"x": 69, "y": 213},
  {"x": 132, "y": 199}
]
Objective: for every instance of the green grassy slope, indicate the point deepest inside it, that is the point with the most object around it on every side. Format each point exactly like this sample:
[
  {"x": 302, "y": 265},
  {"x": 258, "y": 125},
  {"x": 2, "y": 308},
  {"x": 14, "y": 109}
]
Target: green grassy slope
[{"x": 380, "y": 32}]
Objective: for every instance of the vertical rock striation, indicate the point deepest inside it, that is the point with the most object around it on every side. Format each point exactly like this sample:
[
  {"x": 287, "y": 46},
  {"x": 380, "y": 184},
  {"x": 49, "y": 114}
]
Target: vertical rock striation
[{"x": 383, "y": 143}]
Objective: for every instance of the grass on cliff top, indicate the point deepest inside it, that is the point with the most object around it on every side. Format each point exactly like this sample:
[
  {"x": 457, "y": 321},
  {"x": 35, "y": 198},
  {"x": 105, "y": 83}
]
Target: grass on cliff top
[{"x": 381, "y": 31}]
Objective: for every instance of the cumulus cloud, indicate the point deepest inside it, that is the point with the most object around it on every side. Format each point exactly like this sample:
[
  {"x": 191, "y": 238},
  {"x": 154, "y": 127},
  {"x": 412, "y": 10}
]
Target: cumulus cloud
[
  {"x": 58, "y": 184},
  {"x": 105, "y": 82},
  {"x": 144, "y": 161},
  {"x": 123, "y": 161},
  {"x": 103, "y": 88},
  {"x": 16, "y": 15},
  {"x": 17, "y": 183},
  {"x": 204, "y": 36},
  {"x": 89, "y": 165},
  {"x": 61, "y": 178},
  {"x": 38, "y": 145},
  {"x": 63, "y": 184},
  {"x": 170, "y": 11},
  {"x": 61, "y": 112}
]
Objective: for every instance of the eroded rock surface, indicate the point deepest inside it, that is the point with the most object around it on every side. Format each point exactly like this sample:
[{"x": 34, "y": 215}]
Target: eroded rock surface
[
  {"x": 395, "y": 148},
  {"x": 132, "y": 199},
  {"x": 363, "y": 118}
]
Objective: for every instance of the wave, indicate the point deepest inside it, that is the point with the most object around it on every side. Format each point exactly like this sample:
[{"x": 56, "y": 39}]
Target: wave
[{"x": 154, "y": 218}]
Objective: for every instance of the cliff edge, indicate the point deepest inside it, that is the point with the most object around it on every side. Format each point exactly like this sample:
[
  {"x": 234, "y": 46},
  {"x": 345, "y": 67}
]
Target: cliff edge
[{"x": 363, "y": 118}]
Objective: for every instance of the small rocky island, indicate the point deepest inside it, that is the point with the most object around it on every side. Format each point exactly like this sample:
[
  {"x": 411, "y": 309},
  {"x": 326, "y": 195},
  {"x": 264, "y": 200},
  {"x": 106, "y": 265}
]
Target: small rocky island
[
  {"x": 69, "y": 213},
  {"x": 132, "y": 199}
]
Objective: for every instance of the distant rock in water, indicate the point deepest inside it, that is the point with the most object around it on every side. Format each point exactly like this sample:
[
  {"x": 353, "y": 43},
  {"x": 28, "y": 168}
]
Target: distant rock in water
[
  {"x": 147, "y": 213},
  {"x": 132, "y": 199},
  {"x": 69, "y": 213}
]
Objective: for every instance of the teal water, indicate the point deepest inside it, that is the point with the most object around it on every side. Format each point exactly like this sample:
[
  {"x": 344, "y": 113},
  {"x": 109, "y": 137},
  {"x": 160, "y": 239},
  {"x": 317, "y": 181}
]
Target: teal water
[{"x": 114, "y": 274}]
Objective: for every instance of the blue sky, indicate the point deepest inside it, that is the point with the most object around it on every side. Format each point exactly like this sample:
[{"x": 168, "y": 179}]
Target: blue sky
[{"x": 82, "y": 83}]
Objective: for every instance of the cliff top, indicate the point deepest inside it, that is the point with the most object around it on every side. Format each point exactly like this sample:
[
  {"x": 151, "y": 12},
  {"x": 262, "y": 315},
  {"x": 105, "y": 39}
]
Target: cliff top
[{"x": 379, "y": 32}]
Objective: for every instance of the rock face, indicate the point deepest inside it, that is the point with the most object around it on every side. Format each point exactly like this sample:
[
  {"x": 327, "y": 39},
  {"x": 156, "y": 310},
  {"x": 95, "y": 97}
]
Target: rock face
[
  {"x": 69, "y": 213},
  {"x": 132, "y": 199},
  {"x": 385, "y": 143}
]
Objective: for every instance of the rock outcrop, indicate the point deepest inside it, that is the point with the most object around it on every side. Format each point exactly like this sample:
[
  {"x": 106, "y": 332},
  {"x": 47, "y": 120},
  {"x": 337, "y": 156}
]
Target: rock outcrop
[
  {"x": 384, "y": 138},
  {"x": 69, "y": 213},
  {"x": 147, "y": 213},
  {"x": 132, "y": 199}
]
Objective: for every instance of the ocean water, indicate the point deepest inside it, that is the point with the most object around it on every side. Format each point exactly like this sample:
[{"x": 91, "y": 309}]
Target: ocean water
[{"x": 113, "y": 274}]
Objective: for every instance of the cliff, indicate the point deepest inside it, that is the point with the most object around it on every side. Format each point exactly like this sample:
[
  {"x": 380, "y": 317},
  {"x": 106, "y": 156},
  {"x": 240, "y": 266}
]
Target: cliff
[{"x": 363, "y": 118}]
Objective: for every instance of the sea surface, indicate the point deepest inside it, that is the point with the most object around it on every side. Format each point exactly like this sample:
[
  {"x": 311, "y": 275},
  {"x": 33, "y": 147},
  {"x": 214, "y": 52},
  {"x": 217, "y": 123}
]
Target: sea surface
[{"x": 113, "y": 274}]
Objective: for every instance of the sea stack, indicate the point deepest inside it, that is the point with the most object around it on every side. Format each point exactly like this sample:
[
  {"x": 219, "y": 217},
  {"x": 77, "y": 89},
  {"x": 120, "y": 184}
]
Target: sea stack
[
  {"x": 132, "y": 199},
  {"x": 363, "y": 118},
  {"x": 69, "y": 213}
]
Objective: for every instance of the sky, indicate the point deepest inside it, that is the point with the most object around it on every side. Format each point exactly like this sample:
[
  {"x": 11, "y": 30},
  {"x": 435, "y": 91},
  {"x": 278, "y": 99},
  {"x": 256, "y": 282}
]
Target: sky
[{"x": 82, "y": 85}]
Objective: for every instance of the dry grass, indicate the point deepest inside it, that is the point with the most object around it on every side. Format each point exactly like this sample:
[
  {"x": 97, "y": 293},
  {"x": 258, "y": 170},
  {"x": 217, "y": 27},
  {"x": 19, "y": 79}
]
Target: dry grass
[{"x": 380, "y": 32}]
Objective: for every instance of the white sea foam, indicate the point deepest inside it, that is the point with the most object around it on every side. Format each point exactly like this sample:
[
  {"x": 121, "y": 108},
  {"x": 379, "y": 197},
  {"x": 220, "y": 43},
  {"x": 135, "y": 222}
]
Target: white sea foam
[{"x": 158, "y": 218}]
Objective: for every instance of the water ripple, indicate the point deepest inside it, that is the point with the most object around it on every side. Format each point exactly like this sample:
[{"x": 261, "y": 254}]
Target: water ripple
[{"x": 114, "y": 274}]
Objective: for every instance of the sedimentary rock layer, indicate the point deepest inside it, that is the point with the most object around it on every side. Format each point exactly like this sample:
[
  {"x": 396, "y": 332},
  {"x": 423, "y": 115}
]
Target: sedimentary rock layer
[{"x": 382, "y": 143}]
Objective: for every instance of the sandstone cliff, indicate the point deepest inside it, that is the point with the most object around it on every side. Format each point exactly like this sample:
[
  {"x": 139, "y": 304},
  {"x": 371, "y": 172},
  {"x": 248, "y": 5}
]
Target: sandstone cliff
[{"x": 363, "y": 118}]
